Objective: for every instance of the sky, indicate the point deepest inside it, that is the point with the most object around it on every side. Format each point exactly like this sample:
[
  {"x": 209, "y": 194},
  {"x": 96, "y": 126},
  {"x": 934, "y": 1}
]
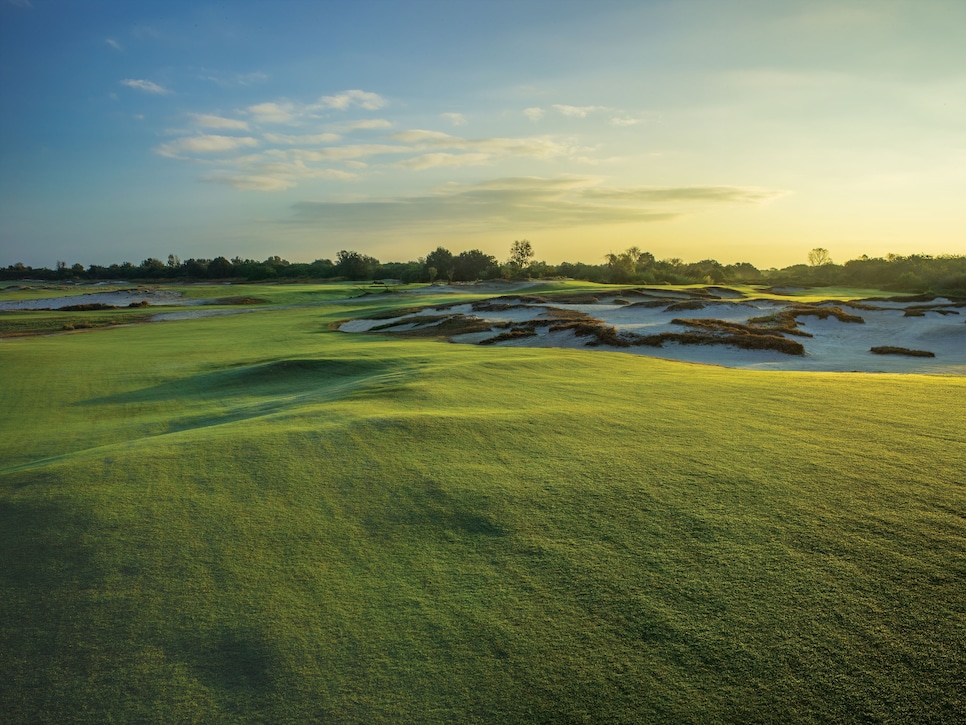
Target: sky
[{"x": 736, "y": 130}]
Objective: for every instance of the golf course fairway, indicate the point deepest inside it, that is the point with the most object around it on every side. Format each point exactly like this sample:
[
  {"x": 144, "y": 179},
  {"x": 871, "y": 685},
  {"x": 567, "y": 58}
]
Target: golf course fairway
[{"x": 257, "y": 518}]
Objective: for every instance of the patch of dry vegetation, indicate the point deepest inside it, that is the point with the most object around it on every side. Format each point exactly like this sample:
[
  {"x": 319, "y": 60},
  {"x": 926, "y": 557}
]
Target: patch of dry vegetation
[
  {"x": 823, "y": 313},
  {"x": 450, "y": 326},
  {"x": 684, "y": 306},
  {"x": 599, "y": 333},
  {"x": 514, "y": 334},
  {"x": 239, "y": 301},
  {"x": 889, "y": 350}
]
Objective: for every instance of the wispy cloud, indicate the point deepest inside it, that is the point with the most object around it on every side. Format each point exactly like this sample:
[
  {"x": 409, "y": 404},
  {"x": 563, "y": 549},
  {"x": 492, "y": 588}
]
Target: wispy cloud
[
  {"x": 207, "y": 120},
  {"x": 341, "y": 153},
  {"x": 204, "y": 144},
  {"x": 578, "y": 111},
  {"x": 540, "y": 147},
  {"x": 313, "y": 139},
  {"x": 367, "y": 124},
  {"x": 517, "y": 202},
  {"x": 418, "y": 135},
  {"x": 113, "y": 43},
  {"x": 273, "y": 112},
  {"x": 236, "y": 79},
  {"x": 347, "y": 99},
  {"x": 272, "y": 176},
  {"x": 250, "y": 182},
  {"x": 534, "y": 114},
  {"x": 456, "y": 119},
  {"x": 146, "y": 86},
  {"x": 497, "y": 204},
  {"x": 624, "y": 121},
  {"x": 21, "y": 3},
  {"x": 432, "y": 161},
  {"x": 684, "y": 194}
]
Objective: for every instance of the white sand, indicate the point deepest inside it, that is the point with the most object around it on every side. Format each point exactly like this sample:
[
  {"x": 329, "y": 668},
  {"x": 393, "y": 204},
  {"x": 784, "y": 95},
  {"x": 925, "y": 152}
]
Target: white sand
[{"x": 119, "y": 298}]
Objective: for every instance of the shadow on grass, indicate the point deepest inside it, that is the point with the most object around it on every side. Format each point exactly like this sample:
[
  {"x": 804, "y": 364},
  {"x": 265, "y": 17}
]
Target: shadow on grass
[
  {"x": 428, "y": 508},
  {"x": 271, "y": 378},
  {"x": 246, "y": 391},
  {"x": 47, "y": 577},
  {"x": 87, "y": 633}
]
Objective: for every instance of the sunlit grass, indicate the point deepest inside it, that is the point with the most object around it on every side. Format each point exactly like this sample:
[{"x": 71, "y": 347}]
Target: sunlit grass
[{"x": 256, "y": 518}]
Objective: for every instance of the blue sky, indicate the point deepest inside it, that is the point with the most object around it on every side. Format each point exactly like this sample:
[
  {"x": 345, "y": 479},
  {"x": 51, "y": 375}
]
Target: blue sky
[{"x": 736, "y": 130}]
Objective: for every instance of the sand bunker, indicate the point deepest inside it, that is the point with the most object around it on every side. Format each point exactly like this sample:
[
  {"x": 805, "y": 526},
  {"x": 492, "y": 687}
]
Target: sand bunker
[
  {"x": 103, "y": 300},
  {"x": 709, "y": 326}
]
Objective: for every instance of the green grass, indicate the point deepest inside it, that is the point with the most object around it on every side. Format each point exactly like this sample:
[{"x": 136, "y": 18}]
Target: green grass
[{"x": 256, "y": 519}]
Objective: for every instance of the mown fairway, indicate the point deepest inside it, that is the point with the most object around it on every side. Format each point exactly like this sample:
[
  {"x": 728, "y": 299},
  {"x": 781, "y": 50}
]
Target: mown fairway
[{"x": 256, "y": 519}]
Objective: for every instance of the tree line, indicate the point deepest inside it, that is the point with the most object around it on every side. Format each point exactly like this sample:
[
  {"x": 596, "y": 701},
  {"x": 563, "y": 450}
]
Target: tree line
[{"x": 913, "y": 273}]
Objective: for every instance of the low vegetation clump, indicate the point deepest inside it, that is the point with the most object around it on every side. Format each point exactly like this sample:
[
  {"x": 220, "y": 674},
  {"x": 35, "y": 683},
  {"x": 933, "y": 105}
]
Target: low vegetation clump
[
  {"x": 686, "y": 305},
  {"x": 448, "y": 326},
  {"x": 559, "y": 314},
  {"x": 415, "y": 320},
  {"x": 747, "y": 337},
  {"x": 88, "y": 307},
  {"x": 239, "y": 300},
  {"x": 599, "y": 333},
  {"x": 889, "y": 350},
  {"x": 746, "y": 342},
  {"x": 823, "y": 313},
  {"x": 785, "y": 321},
  {"x": 516, "y": 333}
]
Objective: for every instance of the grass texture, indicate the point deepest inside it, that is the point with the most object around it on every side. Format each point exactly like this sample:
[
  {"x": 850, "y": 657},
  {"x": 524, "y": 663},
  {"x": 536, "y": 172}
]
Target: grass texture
[{"x": 256, "y": 518}]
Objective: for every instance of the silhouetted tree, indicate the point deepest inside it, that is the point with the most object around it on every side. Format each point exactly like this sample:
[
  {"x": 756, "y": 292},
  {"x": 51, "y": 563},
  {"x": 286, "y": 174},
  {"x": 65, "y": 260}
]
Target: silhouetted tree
[
  {"x": 819, "y": 257},
  {"x": 521, "y": 252},
  {"x": 442, "y": 260},
  {"x": 473, "y": 264}
]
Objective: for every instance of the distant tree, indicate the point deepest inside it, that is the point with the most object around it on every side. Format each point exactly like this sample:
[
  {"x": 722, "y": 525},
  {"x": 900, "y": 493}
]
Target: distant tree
[
  {"x": 708, "y": 271},
  {"x": 442, "y": 260},
  {"x": 742, "y": 272},
  {"x": 521, "y": 252},
  {"x": 220, "y": 268},
  {"x": 152, "y": 267},
  {"x": 322, "y": 268},
  {"x": 355, "y": 266},
  {"x": 473, "y": 264},
  {"x": 819, "y": 257}
]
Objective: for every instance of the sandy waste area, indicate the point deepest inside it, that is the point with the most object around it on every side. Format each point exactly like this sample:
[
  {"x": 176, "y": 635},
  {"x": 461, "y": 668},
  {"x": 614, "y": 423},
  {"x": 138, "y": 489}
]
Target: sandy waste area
[
  {"x": 114, "y": 298},
  {"x": 717, "y": 327}
]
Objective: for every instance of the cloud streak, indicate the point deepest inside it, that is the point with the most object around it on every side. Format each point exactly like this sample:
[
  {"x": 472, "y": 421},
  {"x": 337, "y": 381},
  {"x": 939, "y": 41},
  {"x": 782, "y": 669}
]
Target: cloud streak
[
  {"x": 578, "y": 111},
  {"x": 515, "y": 202},
  {"x": 456, "y": 119},
  {"x": 207, "y": 120},
  {"x": 146, "y": 86},
  {"x": 313, "y": 139},
  {"x": 273, "y": 112},
  {"x": 348, "y": 99},
  {"x": 366, "y": 124},
  {"x": 205, "y": 144}
]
